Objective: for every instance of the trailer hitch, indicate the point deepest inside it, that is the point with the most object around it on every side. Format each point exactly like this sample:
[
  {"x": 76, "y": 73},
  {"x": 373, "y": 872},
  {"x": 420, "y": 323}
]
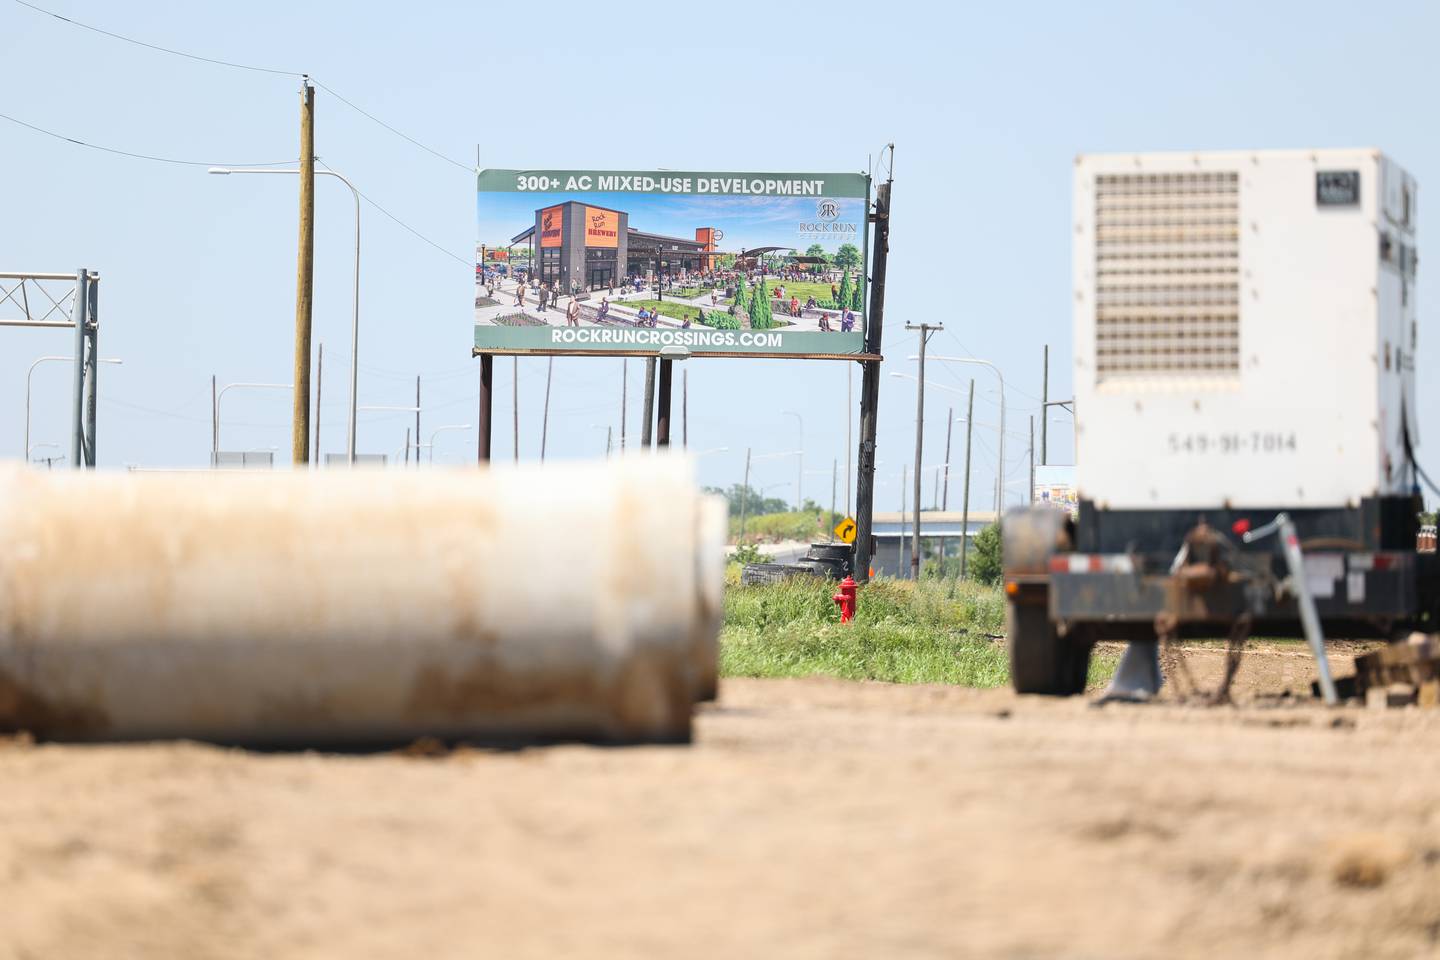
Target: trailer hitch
[{"x": 1197, "y": 565}]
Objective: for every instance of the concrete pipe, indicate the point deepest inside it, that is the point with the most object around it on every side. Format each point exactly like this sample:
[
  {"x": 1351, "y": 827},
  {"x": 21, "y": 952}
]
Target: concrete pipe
[{"x": 359, "y": 607}]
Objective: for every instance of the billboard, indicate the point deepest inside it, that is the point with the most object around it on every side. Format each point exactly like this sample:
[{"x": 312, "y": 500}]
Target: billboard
[
  {"x": 639, "y": 262},
  {"x": 1055, "y": 487}
]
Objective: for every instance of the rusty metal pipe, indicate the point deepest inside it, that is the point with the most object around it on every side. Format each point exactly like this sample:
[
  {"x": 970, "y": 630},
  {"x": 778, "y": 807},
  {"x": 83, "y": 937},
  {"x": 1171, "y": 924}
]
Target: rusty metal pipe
[{"x": 338, "y": 608}]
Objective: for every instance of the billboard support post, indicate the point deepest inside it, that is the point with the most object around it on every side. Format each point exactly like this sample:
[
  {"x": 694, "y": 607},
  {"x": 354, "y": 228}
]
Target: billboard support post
[
  {"x": 646, "y": 425},
  {"x": 662, "y": 419},
  {"x": 487, "y": 399},
  {"x": 870, "y": 387}
]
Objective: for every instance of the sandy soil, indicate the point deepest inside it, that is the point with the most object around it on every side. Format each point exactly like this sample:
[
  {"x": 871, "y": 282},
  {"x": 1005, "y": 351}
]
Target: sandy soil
[{"x": 811, "y": 818}]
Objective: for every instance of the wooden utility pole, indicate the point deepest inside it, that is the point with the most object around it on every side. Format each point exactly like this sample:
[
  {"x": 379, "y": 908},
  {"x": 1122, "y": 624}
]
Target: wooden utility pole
[
  {"x": 926, "y": 330},
  {"x": 965, "y": 510},
  {"x": 304, "y": 278}
]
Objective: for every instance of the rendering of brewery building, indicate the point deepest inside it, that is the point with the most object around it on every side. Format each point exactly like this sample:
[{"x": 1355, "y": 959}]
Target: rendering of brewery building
[{"x": 588, "y": 247}]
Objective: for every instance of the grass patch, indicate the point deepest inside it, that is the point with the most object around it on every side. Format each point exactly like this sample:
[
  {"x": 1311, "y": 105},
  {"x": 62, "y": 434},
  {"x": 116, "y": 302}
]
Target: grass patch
[
  {"x": 930, "y": 632},
  {"x": 904, "y": 633},
  {"x": 804, "y": 289},
  {"x": 675, "y": 311},
  {"x": 775, "y": 527}
]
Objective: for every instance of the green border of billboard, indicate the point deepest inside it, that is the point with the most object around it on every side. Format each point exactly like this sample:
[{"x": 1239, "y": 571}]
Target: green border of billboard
[{"x": 695, "y": 341}]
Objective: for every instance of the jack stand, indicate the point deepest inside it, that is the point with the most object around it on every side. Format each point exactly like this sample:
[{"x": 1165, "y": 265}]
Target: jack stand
[
  {"x": 1309, "y": 619},
  {"x": 1137, "y": 677}
]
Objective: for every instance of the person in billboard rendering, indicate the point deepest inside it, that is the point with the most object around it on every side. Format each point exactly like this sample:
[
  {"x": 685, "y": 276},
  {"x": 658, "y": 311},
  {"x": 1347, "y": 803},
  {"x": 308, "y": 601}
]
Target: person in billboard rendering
[
  {"x": 847, "y": 321},
  {"x": 572, "y": 314}
]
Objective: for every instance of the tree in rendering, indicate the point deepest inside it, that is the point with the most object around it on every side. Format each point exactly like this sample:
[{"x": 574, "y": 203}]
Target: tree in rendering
[
  {"x": 848, "y": 256},
  {"x": 760, "y": 317},
  {"x": 844, "y": 300}
]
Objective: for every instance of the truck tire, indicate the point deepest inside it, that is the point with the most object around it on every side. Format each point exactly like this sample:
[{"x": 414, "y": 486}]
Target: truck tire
[{"x": 1042, "y": 661}]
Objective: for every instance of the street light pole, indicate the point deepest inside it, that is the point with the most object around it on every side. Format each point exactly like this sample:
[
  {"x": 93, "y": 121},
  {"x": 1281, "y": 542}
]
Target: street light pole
[
  {"x": 27, "y": 391},
  {"x": 800, "y": 458},
  {"x": 439, "y": 430},
  {"x": 215, "y": 413},
  {"x": 1000, "y": 480},
  {"x": 355, "y": 312}
]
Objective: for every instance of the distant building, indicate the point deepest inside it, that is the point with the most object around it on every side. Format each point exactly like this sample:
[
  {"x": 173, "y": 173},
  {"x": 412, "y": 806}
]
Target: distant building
[{"x": 893, "y": 532}]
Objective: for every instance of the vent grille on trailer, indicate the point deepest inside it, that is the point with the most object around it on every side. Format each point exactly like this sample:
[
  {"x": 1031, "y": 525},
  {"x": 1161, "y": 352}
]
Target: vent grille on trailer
[{"x": 1167, "y": 274}]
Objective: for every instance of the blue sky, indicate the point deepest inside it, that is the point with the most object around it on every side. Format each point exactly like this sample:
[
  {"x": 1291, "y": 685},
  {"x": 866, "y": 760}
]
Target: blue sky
[
  {"x": 987, "y": 104},
  {"x": 747, "y": 222}
]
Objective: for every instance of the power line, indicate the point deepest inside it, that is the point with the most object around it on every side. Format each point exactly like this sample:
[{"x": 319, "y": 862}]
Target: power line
[
  {"x": 246, "y": 66},
  {"x": 463, "y": 166},
  {"x": 452, "y": 256},
  {"x": 212, "y": 163},
  {"x": 151, "y": 46},
  {"x": 127, "y": 153}
]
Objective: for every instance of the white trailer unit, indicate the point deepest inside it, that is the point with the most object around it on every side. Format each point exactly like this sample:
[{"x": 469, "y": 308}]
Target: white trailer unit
[
  {"x": 1245, "y": 335},
  {"x": 1244, "y": 328}
]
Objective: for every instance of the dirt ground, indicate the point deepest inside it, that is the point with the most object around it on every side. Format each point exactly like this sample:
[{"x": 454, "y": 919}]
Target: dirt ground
[{"x": 811, "y": 818}]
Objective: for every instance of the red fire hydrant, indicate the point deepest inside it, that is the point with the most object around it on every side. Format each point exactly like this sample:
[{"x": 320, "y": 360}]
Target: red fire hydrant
[{"x": 845, "y": 599}]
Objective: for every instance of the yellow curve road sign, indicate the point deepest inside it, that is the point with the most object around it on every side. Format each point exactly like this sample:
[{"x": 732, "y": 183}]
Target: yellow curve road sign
[{"x": 845, "y": 530}]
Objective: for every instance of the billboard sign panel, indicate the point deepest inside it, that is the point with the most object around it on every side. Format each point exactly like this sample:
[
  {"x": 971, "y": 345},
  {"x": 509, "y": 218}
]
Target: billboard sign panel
[{"x": 634, "y": 262}]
